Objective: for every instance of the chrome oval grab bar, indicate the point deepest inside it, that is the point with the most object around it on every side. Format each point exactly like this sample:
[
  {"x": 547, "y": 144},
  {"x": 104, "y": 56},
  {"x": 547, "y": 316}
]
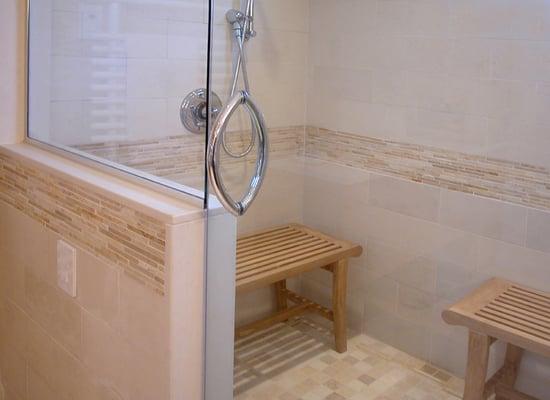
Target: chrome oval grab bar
[{"x": 237, "y": 208}]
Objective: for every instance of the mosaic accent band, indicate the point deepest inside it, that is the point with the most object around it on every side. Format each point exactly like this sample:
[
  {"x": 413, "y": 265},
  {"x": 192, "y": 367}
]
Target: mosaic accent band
[
  {"x": 492, "y": 178},
  {"x": 110, "y": 230}
]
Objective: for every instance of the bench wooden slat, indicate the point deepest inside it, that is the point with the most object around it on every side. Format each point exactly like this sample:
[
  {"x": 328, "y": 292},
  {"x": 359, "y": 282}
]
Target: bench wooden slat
[
  {"x": 524, "y": 305},
  {"x": 258, "y": 244},
  {"x": 514, "y": 323},
  {"x": 520, "y": 314},
  {"x": 283, "y": 252},
  {"x": 530, "y": 299},
  {"x": 299, "y": 263},
  {"x": 273, "y": 232},
  {"x": 278, "y": 245},
  {"x": 531, "y": 292}
]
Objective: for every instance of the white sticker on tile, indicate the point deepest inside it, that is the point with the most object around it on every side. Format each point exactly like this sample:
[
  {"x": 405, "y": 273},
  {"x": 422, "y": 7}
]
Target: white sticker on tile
[{"x": 66, "y": 267}]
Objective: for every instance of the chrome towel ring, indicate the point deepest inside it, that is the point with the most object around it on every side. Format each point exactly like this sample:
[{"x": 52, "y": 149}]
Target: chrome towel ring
[{"x": 243, "y": 98}]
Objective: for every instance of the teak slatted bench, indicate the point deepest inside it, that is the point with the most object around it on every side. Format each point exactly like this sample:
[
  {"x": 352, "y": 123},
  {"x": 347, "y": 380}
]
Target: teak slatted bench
[
  {"x": 501, "y": 310},
  {"x": 272, "y": 256}
]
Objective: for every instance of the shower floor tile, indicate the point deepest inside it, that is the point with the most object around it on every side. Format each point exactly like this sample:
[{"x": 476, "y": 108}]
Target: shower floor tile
[{"x": 295, "y": 361}]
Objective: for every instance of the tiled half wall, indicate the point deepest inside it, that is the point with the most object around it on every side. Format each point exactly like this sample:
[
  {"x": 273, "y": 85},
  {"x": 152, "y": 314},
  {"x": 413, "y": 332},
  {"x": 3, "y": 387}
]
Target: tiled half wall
[{"x": 111, "y": 231}]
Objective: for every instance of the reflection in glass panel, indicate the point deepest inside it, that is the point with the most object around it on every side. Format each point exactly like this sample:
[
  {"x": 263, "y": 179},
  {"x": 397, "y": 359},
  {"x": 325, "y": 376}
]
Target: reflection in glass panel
[{"x": 108, "y": 77}]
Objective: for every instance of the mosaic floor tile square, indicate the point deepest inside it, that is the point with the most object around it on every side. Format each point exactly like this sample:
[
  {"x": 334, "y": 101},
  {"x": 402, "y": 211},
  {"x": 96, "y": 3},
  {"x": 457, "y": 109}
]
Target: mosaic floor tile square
[{"x": 296, "y": 361}]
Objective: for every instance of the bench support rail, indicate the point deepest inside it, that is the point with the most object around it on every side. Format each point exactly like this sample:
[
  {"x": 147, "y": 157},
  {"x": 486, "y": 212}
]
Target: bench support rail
[{"x": 303, "y": 305}]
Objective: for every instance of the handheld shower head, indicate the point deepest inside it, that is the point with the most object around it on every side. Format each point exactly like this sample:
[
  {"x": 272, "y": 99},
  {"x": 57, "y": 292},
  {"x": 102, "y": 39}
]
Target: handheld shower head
[
  {"x": 249, "y": 19},
  {"x": 242, "y": 21}
]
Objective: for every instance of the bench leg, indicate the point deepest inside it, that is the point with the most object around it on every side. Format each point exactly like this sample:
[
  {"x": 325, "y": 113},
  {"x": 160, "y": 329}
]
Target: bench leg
[
  {"x": 339, "y": 286},
  {"x": 280, "y": 296},
  {"x": 512, "y": 363},
  {"x": 476, "y": 371}
]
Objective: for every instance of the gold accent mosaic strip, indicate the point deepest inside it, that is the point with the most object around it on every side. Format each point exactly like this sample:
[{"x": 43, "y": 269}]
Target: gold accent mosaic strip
[
  {"x": 110, "y": 230},
  {"x": 497, "y": 179},
  {"x": 177, "y": 157}
]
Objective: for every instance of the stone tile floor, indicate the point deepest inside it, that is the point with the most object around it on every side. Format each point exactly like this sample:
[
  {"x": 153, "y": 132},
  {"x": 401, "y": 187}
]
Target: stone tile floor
[{"x": 295, "y": 361}]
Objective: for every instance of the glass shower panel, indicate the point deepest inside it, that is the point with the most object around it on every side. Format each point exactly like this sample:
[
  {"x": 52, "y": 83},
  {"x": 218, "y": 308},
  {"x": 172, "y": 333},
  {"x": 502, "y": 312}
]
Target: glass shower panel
[
  {"x": 107, "y": 80},
  {"x": 417, "y": 130}
]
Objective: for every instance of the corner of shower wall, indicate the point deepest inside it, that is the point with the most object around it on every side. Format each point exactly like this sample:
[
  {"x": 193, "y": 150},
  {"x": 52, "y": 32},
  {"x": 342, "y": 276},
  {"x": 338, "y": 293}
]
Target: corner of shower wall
[{"x": 421, "y": 160}]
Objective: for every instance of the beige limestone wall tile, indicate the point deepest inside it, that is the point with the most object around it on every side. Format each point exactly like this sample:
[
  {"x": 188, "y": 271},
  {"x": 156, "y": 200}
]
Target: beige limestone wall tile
[
  {"x": 104, "y": 352},
  {"x": 518, "y": 20},
  {"x": 412, "y": 338},
  {"x": 13, "y": 370},
  {"x": 457, "y": 132},
  {"x": 143, "y": 316},
  {"x": 427, "y": 54},
  {"x": 57, "y": 366},
  {"x": 55, "y": 311},
  {"x": 38, "y": 389},
  {"x": 123, "y": 369},
  {"x": 419, "y": 273},
  {"x": 20, "y": 230},
  {"x": 392, "y": 87},
  {"x": 454, "y": 281},
  {"x": 12, "y": 279},
  {"x": 422, "y": 237},
  {"x": 284, "y": 15},
  {"x": 384, "y": 226},
  {"x": 404, "y": 197},
  {"x": 406, "y": 335},
  {"x": 381, "y": 297},
  {"x": 97, "y": 287},
  {"x": 60, "y": 369},
  {"x": 509, "y": 98},
  {"x": 520, "y": 60},
  {"x": 384, "y": 259},
  {"x": 254, "y": 305},
  {"x": 447, "y": 351},
  {"x": 414, "y": 304},
  {"x": 470, "y": 57},
  {"x": 538, "y": 230},
  {"x": 12, "y": 396},
  {"x": 343, "y": 83},
  {"x": 358, "y": 275},
  {"x": 491, "y": 218},
  {"x": 355, "y": 309},
  {"x": 12, "y": 271},
  {"x": 279, "y": 201},
  {"x": 456, "y": 247},
  {"x": 13, "y": 322},
  {"x": 518, "y": 264}
]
